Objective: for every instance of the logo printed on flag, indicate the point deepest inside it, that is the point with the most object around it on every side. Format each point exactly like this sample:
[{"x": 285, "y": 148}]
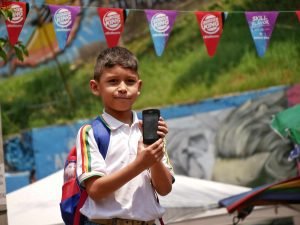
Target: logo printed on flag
[
  {"x": 17, "y": 14},
  {"x": 261, "y": 25},
  {"x": 210, "y": 25},
  {"x": 160, "y": 24},
  {"x": 112, "y": 21},
  {"x": 63, "y": 18}
]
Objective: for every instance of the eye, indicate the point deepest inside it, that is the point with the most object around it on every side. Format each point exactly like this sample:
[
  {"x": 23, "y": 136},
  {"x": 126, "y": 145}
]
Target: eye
[
  {"x": 131, "y": 81},
  {"x": 112, "y": 81}
]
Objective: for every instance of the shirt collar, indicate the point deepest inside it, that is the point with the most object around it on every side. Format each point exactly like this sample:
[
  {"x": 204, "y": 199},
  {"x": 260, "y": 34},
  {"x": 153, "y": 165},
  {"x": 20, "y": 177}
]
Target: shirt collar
[{"x": 114, "y": 124}]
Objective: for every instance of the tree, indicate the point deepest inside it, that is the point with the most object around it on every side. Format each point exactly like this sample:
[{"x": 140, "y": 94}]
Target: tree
[{"x": 5, "y": 46}]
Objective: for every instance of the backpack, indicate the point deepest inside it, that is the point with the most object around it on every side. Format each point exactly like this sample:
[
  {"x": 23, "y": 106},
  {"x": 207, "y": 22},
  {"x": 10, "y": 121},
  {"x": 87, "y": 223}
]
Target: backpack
[{"x": 73, "y": 195}]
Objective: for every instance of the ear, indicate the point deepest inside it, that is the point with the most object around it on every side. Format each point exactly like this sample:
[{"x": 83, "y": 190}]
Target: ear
[
  {"x": 140, "y": 87},
  {"x": 94, "y": 86}
]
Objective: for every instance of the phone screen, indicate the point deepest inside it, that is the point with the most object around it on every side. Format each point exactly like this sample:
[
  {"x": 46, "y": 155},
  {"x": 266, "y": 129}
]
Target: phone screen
[{"x": 150, "y": 125}]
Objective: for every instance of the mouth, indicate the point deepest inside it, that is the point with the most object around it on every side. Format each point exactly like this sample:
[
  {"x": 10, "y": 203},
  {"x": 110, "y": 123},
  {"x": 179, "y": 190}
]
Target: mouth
[{"x": 122, "y": 98}]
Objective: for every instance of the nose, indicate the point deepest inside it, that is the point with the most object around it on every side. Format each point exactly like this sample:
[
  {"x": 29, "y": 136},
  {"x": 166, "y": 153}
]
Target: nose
[{"x": 122, "y": 88}]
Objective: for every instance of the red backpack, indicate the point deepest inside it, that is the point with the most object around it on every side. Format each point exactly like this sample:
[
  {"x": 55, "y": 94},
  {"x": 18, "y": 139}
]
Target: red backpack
[{"x": 73, "y": 195}]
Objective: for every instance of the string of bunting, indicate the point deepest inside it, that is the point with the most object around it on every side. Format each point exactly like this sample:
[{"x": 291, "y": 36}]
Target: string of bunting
[{"x": 160, "y": 23}]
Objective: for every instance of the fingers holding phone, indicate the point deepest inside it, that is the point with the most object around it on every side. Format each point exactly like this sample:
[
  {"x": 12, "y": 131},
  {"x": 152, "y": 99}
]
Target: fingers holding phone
[
  {"x": 153, "y": 126},
  {"x": 162, "y": 128}
]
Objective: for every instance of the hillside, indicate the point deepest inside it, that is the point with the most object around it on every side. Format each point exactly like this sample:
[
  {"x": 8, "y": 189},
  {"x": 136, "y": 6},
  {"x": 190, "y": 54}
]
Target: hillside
[{"x": 183, "y": 74}]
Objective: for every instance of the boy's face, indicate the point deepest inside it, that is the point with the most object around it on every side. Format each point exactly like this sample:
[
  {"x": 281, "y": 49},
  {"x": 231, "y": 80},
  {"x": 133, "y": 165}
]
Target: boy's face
[{"x": 118, "y": 88}]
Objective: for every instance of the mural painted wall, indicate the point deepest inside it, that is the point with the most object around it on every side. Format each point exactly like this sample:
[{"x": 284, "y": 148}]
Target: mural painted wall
[
  {"x": 233, "y": 145},
  {"x": 227, "y": 139}
]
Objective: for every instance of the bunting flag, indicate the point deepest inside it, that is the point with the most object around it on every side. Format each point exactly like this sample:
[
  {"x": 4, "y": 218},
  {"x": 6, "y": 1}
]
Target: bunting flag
[
  {"x": 127, "y": 13},
  {"x": 15, "y": 25},
  {"x": 63, "y": 18},
  {"x": 261, "y": 25},
  {"x": 160, "y": 24},
  {"x": 112, "y": 21},
  {"x": 298, "y": 14},
  {"x": 211, "y": 28}
]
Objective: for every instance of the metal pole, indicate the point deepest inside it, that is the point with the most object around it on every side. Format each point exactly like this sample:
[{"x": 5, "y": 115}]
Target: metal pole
[{"x": 3, "y": 208}]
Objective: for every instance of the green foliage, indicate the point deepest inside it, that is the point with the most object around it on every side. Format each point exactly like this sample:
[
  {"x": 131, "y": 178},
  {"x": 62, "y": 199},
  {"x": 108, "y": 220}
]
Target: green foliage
[
  {"x": 2, "y": 51},
  {"x": 20, "y": 50},
  {"x": 183, "y": 74},
  {"x": 5, "y": 13}
]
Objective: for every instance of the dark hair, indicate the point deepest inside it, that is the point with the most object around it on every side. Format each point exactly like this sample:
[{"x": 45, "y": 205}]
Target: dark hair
[{"x": 111, "y": 57}]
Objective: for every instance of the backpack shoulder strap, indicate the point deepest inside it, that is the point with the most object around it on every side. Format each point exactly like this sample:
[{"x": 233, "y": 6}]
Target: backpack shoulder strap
[{"x": 102, "y": 134}]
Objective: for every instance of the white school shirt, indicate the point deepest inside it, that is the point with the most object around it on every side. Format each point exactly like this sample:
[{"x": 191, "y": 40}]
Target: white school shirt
[{"x": 134, "y": 200}]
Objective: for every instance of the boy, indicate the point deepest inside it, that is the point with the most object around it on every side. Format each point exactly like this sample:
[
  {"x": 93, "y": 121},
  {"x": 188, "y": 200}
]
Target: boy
[{"x": 121, "y": 187}]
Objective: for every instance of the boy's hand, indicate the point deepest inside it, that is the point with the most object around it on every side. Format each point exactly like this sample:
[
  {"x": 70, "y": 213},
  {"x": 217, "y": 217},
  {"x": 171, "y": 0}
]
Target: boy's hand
[
  {"x": 150, "y": 154},
  {"x": 162, "y": 128}
]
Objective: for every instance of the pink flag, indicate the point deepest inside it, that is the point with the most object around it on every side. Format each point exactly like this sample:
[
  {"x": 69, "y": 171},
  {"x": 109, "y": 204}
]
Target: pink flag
[
  {"x": 211, "y": 27},
  {"x": 15, "y": 24}
]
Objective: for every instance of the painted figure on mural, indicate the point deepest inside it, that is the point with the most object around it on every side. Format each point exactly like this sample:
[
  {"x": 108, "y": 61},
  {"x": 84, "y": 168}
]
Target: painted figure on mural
[{"x": 212, "y": 145}]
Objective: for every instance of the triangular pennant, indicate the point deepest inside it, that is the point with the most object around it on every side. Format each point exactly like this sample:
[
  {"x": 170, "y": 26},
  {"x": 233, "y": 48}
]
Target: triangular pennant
[
  {"x": 225, "y": 16},
  {"x": 63, "y": 19},
  {"x": 298, "y": 14},
  {"x": 261, "y": 25},
  {"x": 112, "y": 21},
  {"x": 15, "y": 25},
  {"x": 211, "y": 27},
  {"x": 160, "y": 24},
  {"x": 127, "y": 12}
]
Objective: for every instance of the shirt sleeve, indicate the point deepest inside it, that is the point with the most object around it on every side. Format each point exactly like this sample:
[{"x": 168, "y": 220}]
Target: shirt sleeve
[{"x": 90, "y": 162}]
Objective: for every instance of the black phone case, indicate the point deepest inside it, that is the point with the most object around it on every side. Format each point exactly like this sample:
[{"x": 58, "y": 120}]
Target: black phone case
[{"x": 150, "y": 125}]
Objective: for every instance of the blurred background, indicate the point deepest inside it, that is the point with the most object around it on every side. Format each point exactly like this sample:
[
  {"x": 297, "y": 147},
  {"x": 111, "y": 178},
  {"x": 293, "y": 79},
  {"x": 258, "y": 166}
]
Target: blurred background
[{"x": 218, "y": 108}]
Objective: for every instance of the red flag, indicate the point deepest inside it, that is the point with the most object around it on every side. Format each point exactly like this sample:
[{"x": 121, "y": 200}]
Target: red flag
[
  {"x": 298, "y": 14},
  {"x": 15, "y": 25},
  {"x": 2, "y": 2},
  {"x": 211, "y": 27},
  {"x": 112, "y": 20}
]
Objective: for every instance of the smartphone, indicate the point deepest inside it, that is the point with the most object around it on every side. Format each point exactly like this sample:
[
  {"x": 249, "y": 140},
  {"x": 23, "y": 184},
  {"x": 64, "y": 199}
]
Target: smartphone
[{"x": 150, "y": 125}]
